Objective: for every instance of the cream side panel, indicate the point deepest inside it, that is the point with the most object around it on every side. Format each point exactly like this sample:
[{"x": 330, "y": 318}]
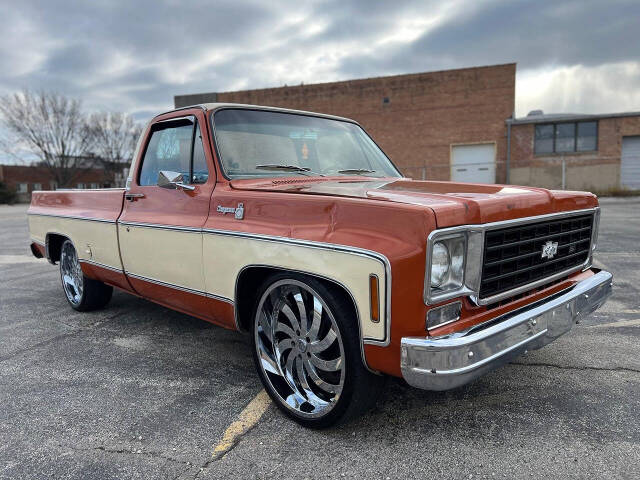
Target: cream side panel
[
  {"x": 99, "y": 237},
  {"x": 225, "y": 256},
  {"x": 171, "y": 256}
]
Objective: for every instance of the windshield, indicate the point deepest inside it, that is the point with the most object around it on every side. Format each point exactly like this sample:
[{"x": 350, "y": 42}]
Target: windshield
[{"x": 259, "y": 143}]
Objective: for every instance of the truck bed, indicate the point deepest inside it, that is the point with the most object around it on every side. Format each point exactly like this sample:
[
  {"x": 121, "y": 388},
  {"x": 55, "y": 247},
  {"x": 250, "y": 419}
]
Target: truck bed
[{"x": 88, "y": 217}]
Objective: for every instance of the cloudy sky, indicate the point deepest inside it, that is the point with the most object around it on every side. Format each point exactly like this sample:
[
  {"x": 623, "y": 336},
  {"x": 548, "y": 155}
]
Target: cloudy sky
[{"x": 133, "y": 56}]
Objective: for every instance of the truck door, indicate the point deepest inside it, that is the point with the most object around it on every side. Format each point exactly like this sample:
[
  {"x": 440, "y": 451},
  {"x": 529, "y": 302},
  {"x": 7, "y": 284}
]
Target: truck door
[{"x": 160, "y": 227}]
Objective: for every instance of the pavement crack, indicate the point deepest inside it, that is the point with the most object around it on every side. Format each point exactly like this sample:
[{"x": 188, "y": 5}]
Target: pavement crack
[
  {"x": 35, "y": 346},
  {"x": 204, "y": 466},
  {"x": 221, "y": 455},
  {"x": 126, "y": 451},
  {"x": 75, "y": 331},
  {"x": 568, "y": 367}
]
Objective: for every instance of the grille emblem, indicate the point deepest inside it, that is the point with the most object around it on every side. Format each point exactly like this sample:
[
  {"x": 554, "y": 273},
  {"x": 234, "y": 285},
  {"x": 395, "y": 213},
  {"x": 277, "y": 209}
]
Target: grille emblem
[{"x": 549, "y": 250}]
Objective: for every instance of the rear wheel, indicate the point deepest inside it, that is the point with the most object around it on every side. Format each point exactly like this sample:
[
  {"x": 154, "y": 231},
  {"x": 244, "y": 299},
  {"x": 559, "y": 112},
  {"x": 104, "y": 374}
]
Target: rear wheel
[
  {"x": 83, "y": 294},
  {"x": 307, "y": 351}
]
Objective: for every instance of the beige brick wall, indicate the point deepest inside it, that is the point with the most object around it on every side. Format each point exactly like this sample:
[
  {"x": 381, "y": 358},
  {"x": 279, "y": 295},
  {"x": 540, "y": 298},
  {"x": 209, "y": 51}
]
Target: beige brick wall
[{"x": 599, "y": 170}]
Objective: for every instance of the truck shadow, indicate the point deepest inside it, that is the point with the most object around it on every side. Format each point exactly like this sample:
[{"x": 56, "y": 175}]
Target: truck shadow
[{"x": 512, "y": 398}]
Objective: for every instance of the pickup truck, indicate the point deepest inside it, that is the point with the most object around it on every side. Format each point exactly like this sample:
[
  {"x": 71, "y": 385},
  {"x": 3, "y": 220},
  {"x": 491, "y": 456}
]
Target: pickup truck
[{"x": 296, "y": 228}]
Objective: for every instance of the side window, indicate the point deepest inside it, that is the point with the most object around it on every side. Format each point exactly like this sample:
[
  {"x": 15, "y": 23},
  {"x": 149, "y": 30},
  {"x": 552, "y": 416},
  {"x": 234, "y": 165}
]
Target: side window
[
  {"x": 171, "y": 147},
  {"x": 200, "y": 169}
]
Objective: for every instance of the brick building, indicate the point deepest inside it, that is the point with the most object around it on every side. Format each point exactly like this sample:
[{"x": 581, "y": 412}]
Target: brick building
[
  {"x": 458, "y": 125},
  {"x": 25, "y": 179},
  {"x": 426, "y": 122},
  {"x": 576, "y": 152}
]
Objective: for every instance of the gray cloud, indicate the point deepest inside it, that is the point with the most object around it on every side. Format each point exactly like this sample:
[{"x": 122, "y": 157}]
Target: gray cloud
[
  {"x": 541, "y": 33},
  {"x": 134, "y": 56},
  {"x": 535, "y": 34}
]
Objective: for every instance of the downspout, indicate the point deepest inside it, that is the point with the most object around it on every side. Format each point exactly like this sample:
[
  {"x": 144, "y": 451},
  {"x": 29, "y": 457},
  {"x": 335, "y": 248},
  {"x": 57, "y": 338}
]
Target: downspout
[{"x": 508, "y": 165}]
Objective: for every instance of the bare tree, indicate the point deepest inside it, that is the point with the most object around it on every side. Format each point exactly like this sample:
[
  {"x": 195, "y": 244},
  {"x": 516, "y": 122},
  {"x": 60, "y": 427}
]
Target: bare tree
[
  {"x": 52, "y": 128},
  {"x": 114, "y": 141}
]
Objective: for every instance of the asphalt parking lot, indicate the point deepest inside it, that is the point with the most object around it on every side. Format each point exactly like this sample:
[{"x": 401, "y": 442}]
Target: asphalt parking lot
[{"x": 139, "y": 391}]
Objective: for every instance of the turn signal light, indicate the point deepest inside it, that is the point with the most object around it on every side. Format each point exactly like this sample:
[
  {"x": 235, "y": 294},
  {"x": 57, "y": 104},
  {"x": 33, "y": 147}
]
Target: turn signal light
[
  {"x": 374, "y": 306},
  {"x": 439, "y": 316}
]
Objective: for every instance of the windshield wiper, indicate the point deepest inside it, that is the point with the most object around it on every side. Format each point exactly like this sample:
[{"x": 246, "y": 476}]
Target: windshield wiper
[
  {"x": 356, "y": 171},
  {"x": 287, "y": 168}
]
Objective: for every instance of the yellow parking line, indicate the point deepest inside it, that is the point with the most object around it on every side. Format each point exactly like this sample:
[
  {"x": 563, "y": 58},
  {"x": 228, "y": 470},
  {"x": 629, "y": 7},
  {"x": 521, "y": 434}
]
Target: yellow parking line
[{"x": 245, "y": 421}]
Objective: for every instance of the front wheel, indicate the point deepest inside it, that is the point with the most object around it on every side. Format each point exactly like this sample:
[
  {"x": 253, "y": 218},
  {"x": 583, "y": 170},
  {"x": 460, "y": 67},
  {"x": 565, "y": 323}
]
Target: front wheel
[
  {"x": 83, "y": 294},
  {"x": 306, "y": 346}
]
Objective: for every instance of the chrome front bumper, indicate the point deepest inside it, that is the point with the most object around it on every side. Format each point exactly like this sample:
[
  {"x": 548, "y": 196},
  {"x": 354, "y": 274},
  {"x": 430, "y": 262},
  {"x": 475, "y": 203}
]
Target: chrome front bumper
[{"x": 441, "y": 363}]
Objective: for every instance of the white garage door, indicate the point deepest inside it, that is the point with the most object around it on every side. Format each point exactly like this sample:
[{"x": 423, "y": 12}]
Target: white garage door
[
  {"x": 630, "y": 164},
  {"x": 473, "y": 163}
]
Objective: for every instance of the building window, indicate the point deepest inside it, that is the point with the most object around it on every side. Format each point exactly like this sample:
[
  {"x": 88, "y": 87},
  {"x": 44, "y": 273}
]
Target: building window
[
  {"x": 23, "y": 188},
  {"x": 566, "y": 137},
  {"x": 544, "y": 139},
  {"x": 95, "y": 185},
  {"x": 37, "y": 186},
  {"x": 80, "y": 185},
  {"x": 53, "y": 185},
  {"x": 587, "y": 136}
]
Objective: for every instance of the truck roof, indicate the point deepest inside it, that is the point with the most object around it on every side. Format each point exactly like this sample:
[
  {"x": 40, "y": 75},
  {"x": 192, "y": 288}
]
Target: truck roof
[{"x": 218, "y": 106}]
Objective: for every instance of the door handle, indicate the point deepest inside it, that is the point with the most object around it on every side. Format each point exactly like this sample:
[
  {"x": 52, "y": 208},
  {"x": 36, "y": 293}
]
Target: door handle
[{"x": 132, "y": 196}]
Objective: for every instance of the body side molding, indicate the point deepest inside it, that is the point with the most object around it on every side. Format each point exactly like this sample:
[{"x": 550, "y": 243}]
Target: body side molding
[{"x": 382, "y": 259}]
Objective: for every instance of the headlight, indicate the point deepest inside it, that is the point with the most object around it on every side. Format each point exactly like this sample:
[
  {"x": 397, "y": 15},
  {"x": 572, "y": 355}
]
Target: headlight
[
  {"x": 439, "y": 264},
  {"x": 453, "y": 263},
  {"x": 447, "y": 263},
  {"x": 457, "y": 260}
]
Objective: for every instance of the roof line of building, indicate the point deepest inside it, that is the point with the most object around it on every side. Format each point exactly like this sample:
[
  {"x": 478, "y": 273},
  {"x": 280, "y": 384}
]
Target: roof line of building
[
  {"x": 568, "y": 117},
  {"x": 337, "y": 82}
]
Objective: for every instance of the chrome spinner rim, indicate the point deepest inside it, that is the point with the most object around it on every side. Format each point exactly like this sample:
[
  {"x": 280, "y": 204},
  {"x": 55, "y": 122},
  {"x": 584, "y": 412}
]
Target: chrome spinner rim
[
  {"x": 299, "y": 348},
  {"x": 71, "y": 273}
]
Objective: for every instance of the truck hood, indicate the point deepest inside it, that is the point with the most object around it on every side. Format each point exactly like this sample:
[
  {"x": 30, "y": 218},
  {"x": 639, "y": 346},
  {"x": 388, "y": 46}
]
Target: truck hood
[{"x": 452, "y": 203}]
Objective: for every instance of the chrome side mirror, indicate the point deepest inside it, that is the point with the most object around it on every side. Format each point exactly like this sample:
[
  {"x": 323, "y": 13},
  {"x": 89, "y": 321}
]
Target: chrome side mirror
[{"x": 172, "y": 180}]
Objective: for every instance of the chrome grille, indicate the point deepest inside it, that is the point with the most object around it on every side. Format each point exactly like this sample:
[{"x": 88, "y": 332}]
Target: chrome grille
[{"x": 513, "y": 255}]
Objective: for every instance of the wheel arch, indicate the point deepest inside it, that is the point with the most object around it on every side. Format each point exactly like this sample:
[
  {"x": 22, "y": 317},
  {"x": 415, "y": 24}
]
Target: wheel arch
[
  {"x": 53, "y": 246},
  {"x": 251, "y": 276}
]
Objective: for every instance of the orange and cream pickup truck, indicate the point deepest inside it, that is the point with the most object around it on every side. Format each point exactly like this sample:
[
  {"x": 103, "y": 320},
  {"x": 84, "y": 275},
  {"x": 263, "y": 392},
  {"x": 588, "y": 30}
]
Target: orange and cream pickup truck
[{"x": 296, "y": 228}]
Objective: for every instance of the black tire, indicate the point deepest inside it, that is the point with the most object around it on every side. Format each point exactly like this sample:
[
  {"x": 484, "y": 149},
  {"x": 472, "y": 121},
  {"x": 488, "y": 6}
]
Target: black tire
[
  {"x": 360, "y": 388},
  {"x": 83, "y": 294}
]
